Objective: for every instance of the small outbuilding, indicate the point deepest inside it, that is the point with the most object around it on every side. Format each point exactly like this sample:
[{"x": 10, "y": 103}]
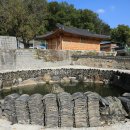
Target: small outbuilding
[
  {"x": 108, "y": 46},
  {"x": 71, "y": 38}
]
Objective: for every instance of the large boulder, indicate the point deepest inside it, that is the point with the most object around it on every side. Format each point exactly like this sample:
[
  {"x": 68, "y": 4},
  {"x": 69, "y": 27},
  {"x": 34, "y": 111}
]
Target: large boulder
[
  {"x": 47, "y": 77},
  {"x": 36, "y": 109},
  {"x": 125, "y": 99},
  {"x": 80, "y": 110},
  {"x": 22, "y": 110},
  {"x": 9, "y": 107},
  {"x": 65, "y": 80},
  {"x": 27, "y": 83},
  {"x": 93, "y": 109},
  {"x": 65, "y": 110},
  {"x": 51, "y": 110},
  {"x": 126, "y": 95},
  {"x": 113, "y": 112},
  {"x": 126, "y": 103},
  {"x": 20, "y": 80},
  {"x": 56, "y": 78},
  {"x": 56, "y": 88}
]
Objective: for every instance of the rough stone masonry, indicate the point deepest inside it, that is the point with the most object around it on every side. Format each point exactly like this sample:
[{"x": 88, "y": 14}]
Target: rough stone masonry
[
  {"x": 63, "y": 110},
  {"x": 119, "y": 79}
]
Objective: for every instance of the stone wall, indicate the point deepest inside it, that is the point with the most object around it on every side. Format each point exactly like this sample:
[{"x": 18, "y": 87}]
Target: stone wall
[
  {"x": 106, "y": 76},
  {"x": 7, "y": 60},
  {"x": 32, "y": 59},
  {"x": 103, "y": 61},
  {"x": 38, "y": 59},
  {"x": 7, "y": 78},
  {"x": 63, "y": 110},
  {"x": 8, "y": 42}
]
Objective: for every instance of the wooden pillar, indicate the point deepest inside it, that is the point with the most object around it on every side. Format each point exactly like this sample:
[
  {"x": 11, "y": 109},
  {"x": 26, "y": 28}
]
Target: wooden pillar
[{"x": 56, "y": 45}]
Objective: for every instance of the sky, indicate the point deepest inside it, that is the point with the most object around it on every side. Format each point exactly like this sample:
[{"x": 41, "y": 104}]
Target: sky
[{"x": 112, "y": 12}]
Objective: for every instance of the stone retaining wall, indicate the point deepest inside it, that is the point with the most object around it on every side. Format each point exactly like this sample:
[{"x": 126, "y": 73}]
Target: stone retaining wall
[
  {"x": 8, "y": 79},
  {"x": 32, "y": 59},
  {"x": 37, "y": 59},
  {"x": 103, "y": 62}
]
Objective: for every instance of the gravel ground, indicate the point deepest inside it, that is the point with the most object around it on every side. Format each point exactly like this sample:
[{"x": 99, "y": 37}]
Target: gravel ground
[{"x": 5, "y": 125}]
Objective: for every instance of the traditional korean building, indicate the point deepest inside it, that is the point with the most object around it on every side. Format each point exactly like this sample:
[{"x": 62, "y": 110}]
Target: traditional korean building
[{"x": 71, "y": 38}]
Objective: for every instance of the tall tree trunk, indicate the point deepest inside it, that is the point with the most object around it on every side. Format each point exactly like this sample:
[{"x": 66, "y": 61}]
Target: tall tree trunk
[{"x": 26, "y": 45}]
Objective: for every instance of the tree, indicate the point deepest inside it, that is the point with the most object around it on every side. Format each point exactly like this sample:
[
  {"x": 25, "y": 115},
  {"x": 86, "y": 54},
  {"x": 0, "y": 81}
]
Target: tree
[
  {"x": 23, "y": 18},
  {"x": 91, "y": 21},
  {"x": 66, "y": 14},
  {"x": 59, "y": 13},
  {"x": 121, "y": 34}
]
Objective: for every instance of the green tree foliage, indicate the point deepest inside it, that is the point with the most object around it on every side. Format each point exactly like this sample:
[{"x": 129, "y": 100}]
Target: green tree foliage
[
  {"x": 121, "y": 34},
  {"x": 59, "y": 13},
  {"x": 66, "y": 14},
  {"x": 22, "y": 18},
  {"x": 27, "y": 18}
]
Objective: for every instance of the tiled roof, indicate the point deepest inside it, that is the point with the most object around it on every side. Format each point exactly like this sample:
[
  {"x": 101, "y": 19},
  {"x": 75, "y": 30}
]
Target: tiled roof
[
  {"x": 76, "y": 31},
  {"x": 82, "y": 32}
]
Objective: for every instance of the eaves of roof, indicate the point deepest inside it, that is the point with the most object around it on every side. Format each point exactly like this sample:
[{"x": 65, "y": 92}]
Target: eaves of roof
[{"x": 73, "y": 31}]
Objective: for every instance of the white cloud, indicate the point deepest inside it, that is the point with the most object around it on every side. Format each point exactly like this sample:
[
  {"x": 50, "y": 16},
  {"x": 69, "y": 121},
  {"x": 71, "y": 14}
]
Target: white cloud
[
  {"x": 112, "y": 7},
  {"x": 101, "y": 11}
]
